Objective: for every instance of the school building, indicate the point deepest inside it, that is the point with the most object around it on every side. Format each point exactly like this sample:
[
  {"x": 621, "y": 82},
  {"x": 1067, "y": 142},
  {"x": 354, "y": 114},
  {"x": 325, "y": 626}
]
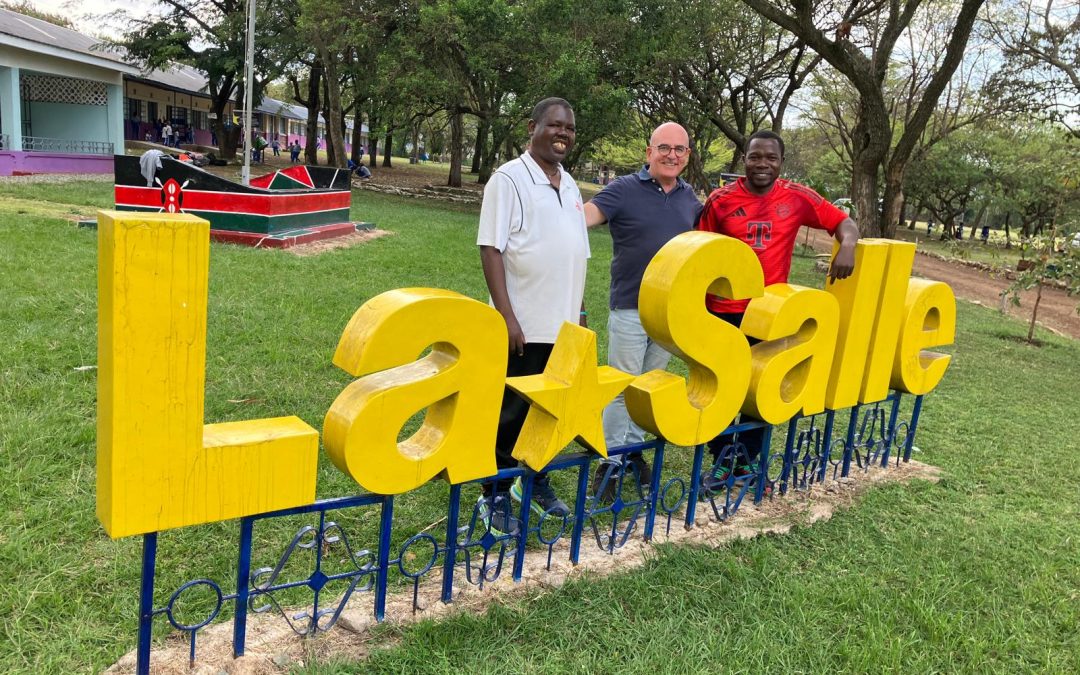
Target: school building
[
  {"x": 67, "y": 105},
  {"x": 61, "y": 99}
]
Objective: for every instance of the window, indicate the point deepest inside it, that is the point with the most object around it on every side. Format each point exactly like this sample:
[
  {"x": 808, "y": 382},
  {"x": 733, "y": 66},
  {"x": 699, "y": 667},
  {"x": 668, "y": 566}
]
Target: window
[
  {"x": 199, "y": 120},
  {"x": 176, "y": 115},
  {"x": 134, "y": 109},
  {"x": 151, "y": 111}
]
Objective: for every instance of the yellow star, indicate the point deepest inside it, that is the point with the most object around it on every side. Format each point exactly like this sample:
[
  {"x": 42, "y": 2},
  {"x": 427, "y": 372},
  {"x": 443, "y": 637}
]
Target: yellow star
[{"x": 567, "y": 399}]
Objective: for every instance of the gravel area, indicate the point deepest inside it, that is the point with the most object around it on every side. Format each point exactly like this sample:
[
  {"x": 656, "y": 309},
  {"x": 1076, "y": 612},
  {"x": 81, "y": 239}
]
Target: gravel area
[{"x": 58, "y": 178}]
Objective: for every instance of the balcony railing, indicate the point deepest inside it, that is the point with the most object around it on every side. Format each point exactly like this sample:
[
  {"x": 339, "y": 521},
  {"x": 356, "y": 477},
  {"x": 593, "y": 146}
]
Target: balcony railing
[{"x": 39, "y": 144}]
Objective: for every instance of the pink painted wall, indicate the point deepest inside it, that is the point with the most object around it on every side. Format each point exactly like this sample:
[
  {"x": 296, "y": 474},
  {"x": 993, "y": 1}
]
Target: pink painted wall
[{"x": 17, "y": 163}]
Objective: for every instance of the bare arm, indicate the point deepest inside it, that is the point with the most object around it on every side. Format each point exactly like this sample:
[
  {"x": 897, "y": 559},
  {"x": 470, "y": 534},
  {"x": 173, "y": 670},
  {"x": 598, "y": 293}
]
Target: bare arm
[
  {"x": 847, "y": 233},
  {"x": 495, "y": 276},
  {"x": 593, "y": 215}
]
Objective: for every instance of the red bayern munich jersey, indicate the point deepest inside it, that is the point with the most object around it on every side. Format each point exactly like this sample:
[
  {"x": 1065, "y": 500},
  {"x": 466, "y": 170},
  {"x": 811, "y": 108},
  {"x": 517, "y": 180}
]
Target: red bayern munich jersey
[{"x": 768, "y": 223}]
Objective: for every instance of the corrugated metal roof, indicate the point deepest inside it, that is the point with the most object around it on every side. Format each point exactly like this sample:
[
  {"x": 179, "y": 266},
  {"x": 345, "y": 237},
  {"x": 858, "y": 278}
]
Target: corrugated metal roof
[
  {"x": 179, "y": 76},
  {"x": 43, "y": 32},
  {"x": 272, "y": 106}
]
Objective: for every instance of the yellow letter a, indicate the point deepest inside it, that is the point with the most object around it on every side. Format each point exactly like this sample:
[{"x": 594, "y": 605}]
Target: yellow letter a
[
  {"x": 460, "y": 382},
  {"x": 797, "y": 327}
]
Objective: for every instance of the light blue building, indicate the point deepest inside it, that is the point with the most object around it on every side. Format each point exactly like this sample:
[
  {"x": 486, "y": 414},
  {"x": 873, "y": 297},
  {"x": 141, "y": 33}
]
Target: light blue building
[{"x": 61, "y": 99}]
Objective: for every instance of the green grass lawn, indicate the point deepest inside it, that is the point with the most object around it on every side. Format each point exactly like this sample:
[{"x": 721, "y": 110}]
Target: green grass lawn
[{"x": 980, "y": 572}]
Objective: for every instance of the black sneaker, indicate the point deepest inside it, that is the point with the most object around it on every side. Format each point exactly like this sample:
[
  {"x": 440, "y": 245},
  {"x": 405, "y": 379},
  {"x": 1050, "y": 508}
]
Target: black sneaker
[
  {"x": 644, "y": 471},
  {"x": 544, "y": 499},
  {"x": 605, "y": 481},
  {"x": 497, "y": 514}
]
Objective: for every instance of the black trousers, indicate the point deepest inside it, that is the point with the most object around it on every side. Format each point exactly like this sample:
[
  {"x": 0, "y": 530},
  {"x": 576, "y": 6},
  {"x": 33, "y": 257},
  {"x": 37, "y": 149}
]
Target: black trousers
[
  {"x": 514, "y": 408},
  {"x": 750, "y": 442}
]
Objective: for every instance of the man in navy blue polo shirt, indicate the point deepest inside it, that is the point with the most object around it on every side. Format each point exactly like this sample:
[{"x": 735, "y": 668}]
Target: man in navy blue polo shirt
[{"x": 643, "y": 212}]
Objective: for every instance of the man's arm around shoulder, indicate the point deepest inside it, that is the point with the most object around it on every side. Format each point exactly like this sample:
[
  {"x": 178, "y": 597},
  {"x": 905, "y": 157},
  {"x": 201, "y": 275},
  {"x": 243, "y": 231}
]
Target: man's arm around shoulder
[{"x": 593, "y": 215}]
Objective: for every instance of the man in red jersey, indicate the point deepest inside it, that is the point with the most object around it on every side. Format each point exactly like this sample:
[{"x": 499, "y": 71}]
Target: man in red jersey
[{"x": 766, "y": 212}]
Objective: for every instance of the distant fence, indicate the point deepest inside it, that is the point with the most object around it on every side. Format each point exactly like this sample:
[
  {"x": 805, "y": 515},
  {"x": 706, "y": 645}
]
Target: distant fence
[
  {"x": 63, "y": 145},
  {"x": 815, "y": 449}
]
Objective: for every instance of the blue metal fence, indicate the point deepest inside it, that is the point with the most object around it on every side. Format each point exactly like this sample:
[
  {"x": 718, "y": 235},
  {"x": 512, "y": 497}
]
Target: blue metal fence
[{"x": 470, "y": 550}]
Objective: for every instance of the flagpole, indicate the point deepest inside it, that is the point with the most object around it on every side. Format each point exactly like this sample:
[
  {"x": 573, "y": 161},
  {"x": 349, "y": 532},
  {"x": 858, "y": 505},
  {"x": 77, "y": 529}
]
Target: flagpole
[{"x": 249, "y": 80}]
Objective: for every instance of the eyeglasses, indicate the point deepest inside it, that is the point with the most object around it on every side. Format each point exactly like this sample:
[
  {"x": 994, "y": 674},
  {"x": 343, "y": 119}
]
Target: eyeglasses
[{"x": 664, "y": 148}]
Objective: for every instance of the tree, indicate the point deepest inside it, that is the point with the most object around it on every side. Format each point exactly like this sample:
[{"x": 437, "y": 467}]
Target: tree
[
  {"x": 715, "y": 67},
  {"x": 1057, "y": 261},
  {"x": 209, "y": 35},
  {"x": 948, "y": 179},
  {"x": 1037, "y": 171},
  {"x": 26, "y": 8},
  {"x": 1041, "y": 42},
  {"x": 858, "y": 39},
  {"x": 326, "y": 27}
]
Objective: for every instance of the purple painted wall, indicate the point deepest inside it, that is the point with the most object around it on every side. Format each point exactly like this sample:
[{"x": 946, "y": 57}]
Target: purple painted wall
[{"x": 18, "y": 163}]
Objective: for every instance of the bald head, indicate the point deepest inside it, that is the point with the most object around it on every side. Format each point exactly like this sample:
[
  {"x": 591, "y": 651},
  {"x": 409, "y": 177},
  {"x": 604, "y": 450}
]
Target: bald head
[
  {"x": 668, "y": 153},
  {"x": 670, "y": 133}
]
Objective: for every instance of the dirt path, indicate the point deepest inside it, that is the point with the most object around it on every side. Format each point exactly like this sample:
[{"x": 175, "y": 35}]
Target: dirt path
[{"x": 1057, "y": 311}]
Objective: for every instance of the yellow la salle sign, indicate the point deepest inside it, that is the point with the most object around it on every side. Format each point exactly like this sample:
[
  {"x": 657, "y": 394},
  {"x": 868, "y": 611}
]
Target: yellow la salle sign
[{"x": 160, "y": 466}]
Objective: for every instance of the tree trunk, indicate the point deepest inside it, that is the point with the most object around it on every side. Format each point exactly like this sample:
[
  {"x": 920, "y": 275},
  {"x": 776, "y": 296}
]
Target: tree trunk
[
  {"x": 456, "y": 140},
  {"x": 695, "y": 173},
  {"x": 415, "y": 157},
  {"x": 864, "y": 197},
  {"x": 1034, "y": 312},
  {"x": 357, "y": 136},
  {"x": 480, "y": 147},
  {"x": 388, "y": 145},
  {"x": 870, "y": 142},
  {"x": 736, "y": 159},
  {"x": 373, "y": 140},
  {"x": 311, "y": 148},
  {"x": 331, "y": 160},
  {"x": 1008, "y": 239},
  {"x": 904, "y": 220},
  {"x": 335, "y": 146},
  {"x": 228, "y": 138},
  {"x": 892, "y": 205},
  {"x": 499, "y": 131}
]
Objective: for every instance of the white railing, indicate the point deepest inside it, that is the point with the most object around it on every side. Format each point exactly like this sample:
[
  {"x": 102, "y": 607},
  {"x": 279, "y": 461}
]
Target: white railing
[{"x": 39, "y": 144}]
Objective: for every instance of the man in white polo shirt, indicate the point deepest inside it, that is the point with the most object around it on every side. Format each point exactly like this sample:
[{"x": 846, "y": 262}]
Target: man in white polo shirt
[{"x": 533, "y": 247}]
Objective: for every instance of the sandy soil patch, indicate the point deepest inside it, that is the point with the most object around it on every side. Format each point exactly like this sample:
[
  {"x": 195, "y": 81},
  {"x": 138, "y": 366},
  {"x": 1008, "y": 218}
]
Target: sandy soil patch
[{"x": 317, "y": 247}]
